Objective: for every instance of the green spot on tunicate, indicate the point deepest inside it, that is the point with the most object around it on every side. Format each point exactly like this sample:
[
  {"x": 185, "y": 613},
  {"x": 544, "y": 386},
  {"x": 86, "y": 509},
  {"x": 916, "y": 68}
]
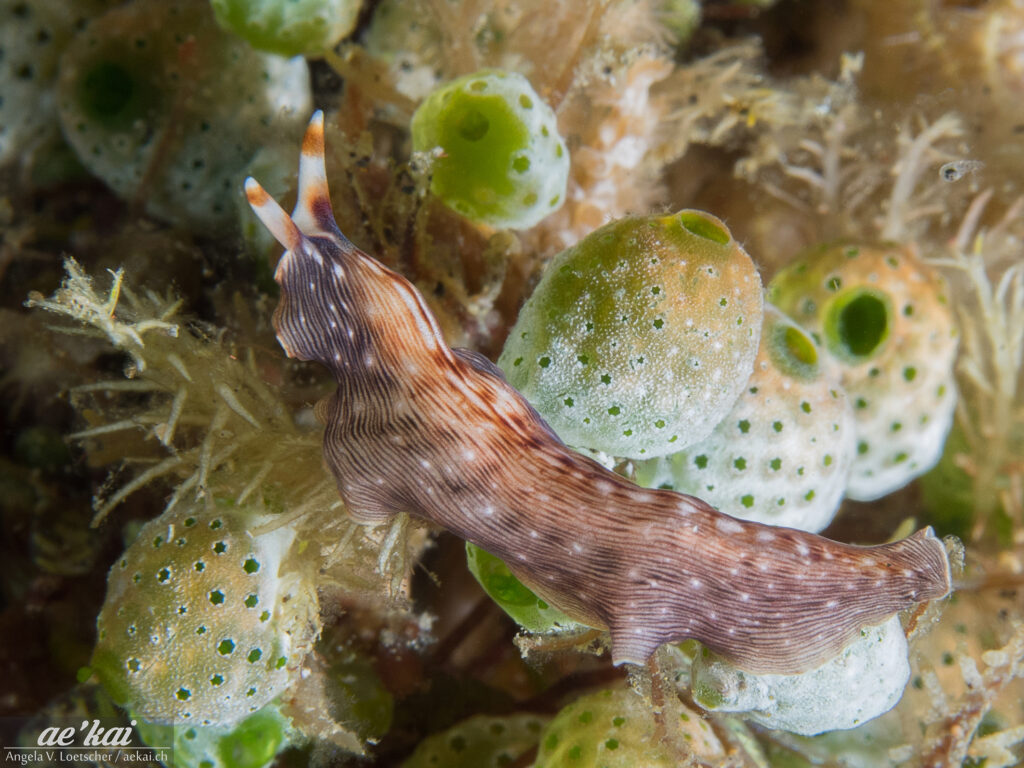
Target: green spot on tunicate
[
  {"x": 521, "y": 164},
  {"x": 618, "y": 721},
  {"x": 833, "y": 284},
  {"x": 281, "y": 661},
  {"x": 660, "y": 423},
  {"x": 583, "y": 359},
  {"x": 217, "y": 680},
  {"x": 861, "y": 403},
  {"x": 163, "y": 575},
  {"x": 251, "y": 601},
  {"x": 613, "y": 411},
  {"x": 777, "y": 426},
  {"x": 776, "y": 464},
  {"x": 740, "y": 463},
  {"x": 627, "y": 432},
  {"x": 551, "y": 742},
  {"x": 701, "y": 461},
  {"x": 857, "y": 324},
  {"x": 586, "y": 716},
  {"x": 896, "y": 426},
  {"x": 899, "y": 458},
  {"x": 747, "y": 501},
  {"x": 226, "y": 647},
  {"x": 827, "y": 461},
  {"x": 216, "y": 597},
  {"x": 569, "y": 402},
  {"x": 908, "y": 310},
  {"x": 744, "y": 426},
  {"x": 183, "y": 694},
  {"x": 200, "y": 630},
  {"x": 606, "y": 379},
  {"x": 265, "y": 616},
  {"x": 544, "y": 362},
  {"x": 525, "y": 101},
  {"x": 220, "y": 547},
  {"x": 254, "y": 655},
  {"x": 250, "y": 566},
  {"x": 189, "y": 522},
  {"x": 251, "y": 692},
  {"x": 703, "y": 226},
  {"x": 655, "y": 290},
  {"x": 216, "y": 524},
  {"x": 158, "y": 542},
  {"x": 805, "y": 407},
  {"x": 862, "y": 447},
  {"x": 134, "y": 665},
  {"x": 517, "y": 361},
  {"x": 612, "y": 744},
  {"x": 809, "y": 495},
  {"x": 659, "y": 323},
  {"x": 910, "y": 373},
  {"x": 200, "y": 566},
  {"x": 575, "y": 752}
]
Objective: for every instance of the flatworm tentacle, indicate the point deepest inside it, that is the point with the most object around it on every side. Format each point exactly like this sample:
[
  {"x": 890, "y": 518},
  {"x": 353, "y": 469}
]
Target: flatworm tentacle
[{"x": 415, "y": 427}]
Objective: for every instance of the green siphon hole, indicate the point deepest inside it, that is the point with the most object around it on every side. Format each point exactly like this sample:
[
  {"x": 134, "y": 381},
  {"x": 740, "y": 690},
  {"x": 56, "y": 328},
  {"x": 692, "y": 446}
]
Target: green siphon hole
[
  {"x": 521, "y": 164},
  {"x": 251, "y": 601},
  {"x": 525, "y": 101},
  {"x": 226, "y": 647},
  {"x": 254, "y": 655},
  {"x": 216, "y": 597},
  {"x": 217, "y": 680},
  {"x": 612, "y": 744},
  {"x": 251, "y": 565},
  {"x": 701, "y": 461},
  {"x": 473, "y": 126},
  {"x": 747, "y": 501},
  {"x": 701, "y": 225},
  {"x": 183, "y": 694},
  {"x": 857, "y": 324}
]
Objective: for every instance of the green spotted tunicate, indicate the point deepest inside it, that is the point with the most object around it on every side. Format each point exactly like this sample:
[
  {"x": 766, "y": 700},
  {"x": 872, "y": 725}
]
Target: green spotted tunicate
[
  {"x": 883, "y": 314},
  {"x": 289, "y": 27},
  {"x": 203, "y": 623},
  {"x": 252, "y": 743},
  {"x": 479, "y": 742},
  {"x": 639, "y": 338},
  {"x": 782, "y": 455},
  {"x": 501, "y": 160},
  {"x": 616, "y": 729},
  {"x": 531, "y": 612}
]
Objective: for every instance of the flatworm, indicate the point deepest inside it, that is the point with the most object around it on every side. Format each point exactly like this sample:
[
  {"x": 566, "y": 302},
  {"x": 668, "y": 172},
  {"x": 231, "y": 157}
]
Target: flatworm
[{"x": 417, "y": 427}]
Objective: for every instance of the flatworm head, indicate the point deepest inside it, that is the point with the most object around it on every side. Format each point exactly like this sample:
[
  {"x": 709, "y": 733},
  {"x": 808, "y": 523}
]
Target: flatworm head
[{"x": 416, "y": 427}]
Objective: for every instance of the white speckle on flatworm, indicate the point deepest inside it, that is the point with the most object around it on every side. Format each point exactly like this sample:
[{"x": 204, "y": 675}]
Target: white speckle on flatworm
[{"x": 728, "y": 525}]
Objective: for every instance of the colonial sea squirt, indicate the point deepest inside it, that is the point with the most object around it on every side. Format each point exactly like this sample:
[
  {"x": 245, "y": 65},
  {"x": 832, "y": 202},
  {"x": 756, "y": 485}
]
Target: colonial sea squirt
[{"x": 437, "y": 433}]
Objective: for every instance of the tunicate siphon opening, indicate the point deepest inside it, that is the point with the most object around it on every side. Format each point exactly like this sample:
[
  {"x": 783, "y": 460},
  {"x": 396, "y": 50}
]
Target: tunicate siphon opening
[
  {"x": 702, "y": 225},
  {"x": 792, "y": 351},
  {"x": 473, "y": 126},
  {"x": 106, "y": 91},
  {"x": 857, "y": 324}
]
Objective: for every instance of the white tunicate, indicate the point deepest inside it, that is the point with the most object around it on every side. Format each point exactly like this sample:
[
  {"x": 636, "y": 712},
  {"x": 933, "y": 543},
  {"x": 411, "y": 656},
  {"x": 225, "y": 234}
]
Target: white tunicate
[
  {"x": 864, "y": 681},
  {"x": 884, "y": 315},
  {"x": 168, "y": 109},
  {"x": 204, "y": 622},
  {"x": 782, "y": 455}
]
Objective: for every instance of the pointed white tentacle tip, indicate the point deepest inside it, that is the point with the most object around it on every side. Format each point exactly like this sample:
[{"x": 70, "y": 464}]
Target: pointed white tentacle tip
[{"x": 272, "y": 215}]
